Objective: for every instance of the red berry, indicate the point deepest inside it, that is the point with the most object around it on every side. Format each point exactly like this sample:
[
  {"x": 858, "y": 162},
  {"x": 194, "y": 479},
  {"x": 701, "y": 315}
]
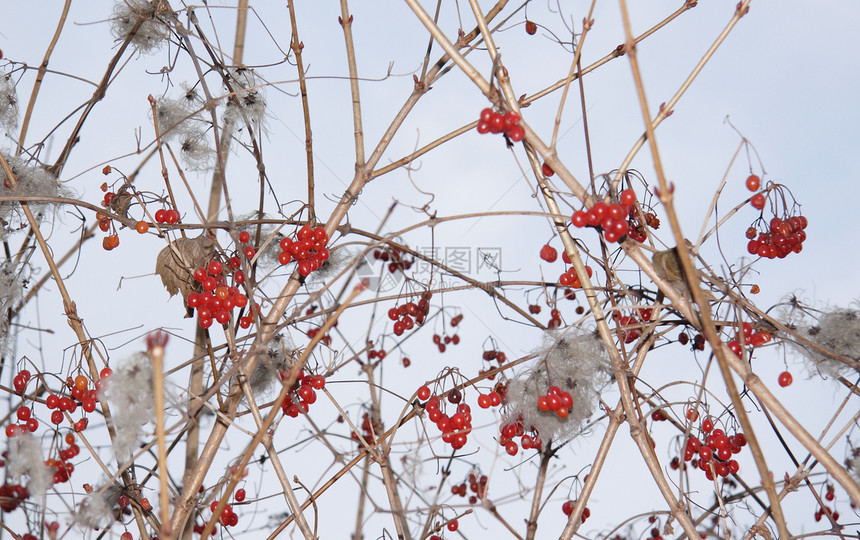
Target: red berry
[
  {"x": 215, "y": 267},
  {"x": 785, "y": 379},
  {"x": 240, "y": 495},
  {"x": 548, "y": 253},
  {"x": 244, "y": 237},
  {"x": 517, "y": 133},
  {"x": 531, "y": 28},
  {"x": 453, "y": 524},
  {"x": 753, "y": 182},
  {"x": 757, "y": 201},
  {"x": 547, "y": 170},
  {"x": 627, "y": 197},
  {"x": 423, "y": 393}
]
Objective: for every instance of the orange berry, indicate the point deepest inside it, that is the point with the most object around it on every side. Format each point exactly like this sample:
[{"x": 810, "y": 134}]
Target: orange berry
[{"x": 141, "y": 227}]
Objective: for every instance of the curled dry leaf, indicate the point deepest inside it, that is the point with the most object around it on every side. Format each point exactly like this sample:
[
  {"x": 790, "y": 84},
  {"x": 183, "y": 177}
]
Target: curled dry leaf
[
  {"x": 176, "y": 263},
  {"x": 120, "y": 202}
]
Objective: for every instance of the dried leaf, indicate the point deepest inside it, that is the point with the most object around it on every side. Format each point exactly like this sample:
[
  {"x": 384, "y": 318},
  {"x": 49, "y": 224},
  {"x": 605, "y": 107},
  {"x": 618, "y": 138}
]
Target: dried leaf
[
  {"x": 176, "y": 263},
  {"x": 120, "y": 202}
]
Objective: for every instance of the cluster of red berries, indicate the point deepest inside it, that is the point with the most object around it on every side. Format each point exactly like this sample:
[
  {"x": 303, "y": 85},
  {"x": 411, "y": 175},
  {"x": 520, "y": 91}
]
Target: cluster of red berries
[
  {"x": 698, "y": 341},
  {"x": 496, "y": 122},
  {"x": 829, "y": 495},
  {"x": 375, "y": 354},
  {"x": 444, "y": 340},
  {"x": 371, "y": 428},
  {"x": 751, "y": 338},
  {"x": 325, "y": 340},
  {"x": 489, "y": 356},
  {"x": 394, "y": 257},
  {"x": 782, "y": 237},
  {"x": 555, "y": 401},
  {"x": 228, "y": 517},
  {"x": 477, "y": 485},
  {"x": 408, "y": 315},
  {"x": 80, "y": 395},
  {"x": 455, "y": 429},
  {"x": 12, "y": 495},
  {"x": 510, "y": 430},
  {"x": 570, "y": 279},
  {"x": 217, "y": 299},
  {"x": 309, "y": 249},
  {"x": 168, "y": 215},
  {"x": 714, "y": 449},
  {"x": 491, "y": 399},
  {"x": 198, "y": 529},
  {"x": 303, "y": 393},
  {"x": 630, "y": 325},
  {"x": 568, "y": 506},
  {"x": 63, "y": 467},
  {"x": 555, "y": 318},
  {"x": 610, "y": 218}
]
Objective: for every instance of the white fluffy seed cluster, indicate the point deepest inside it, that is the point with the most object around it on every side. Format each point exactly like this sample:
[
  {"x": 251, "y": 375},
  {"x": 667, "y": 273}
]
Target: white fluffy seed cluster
[
  {"x": 246, "y": 104},
  {"x": 25, "y": 458},
  {"x": 180, "y": 120},
  {"x": 154, "y": 27},
  {"x": 32, "y": 180},
  {"x": 96, "y": 510},
  {"x": 129, "y": 390},
  {"x": 266, "y": 370},
  {"x": 11, "y": 292},
  {"x": 837, "y": 330},
  {"x": 575, "y": 361},
  {"x": 853, "y": 464},
  {"x": 8, "y": 103}
]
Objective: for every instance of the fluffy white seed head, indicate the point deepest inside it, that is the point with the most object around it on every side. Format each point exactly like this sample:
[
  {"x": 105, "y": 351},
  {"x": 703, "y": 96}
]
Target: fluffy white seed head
[
  {"x": 576, "y": 362},
  {"x": 837, "y": 330},
  {"x": 153, "y": 30},
  {"x": 268, "y": 368},
  {"x": 31, "y": 180},
  {"x": 96, "y": 510},
  {"x": 246, "y": 104},
  {"x": 8, "y": 103},
  {"x": 25, "y": 458},
  {"x": 129, "y": 390}
]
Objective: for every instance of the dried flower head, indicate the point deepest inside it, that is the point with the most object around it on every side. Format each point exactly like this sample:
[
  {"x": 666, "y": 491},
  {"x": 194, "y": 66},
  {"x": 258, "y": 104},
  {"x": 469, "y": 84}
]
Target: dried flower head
[
  {"x": 129, "y": 390},
  {"x": 25, "y": 458},
  {"x": 154, "y": 26},
  {"x": 575, "y": 362}
]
